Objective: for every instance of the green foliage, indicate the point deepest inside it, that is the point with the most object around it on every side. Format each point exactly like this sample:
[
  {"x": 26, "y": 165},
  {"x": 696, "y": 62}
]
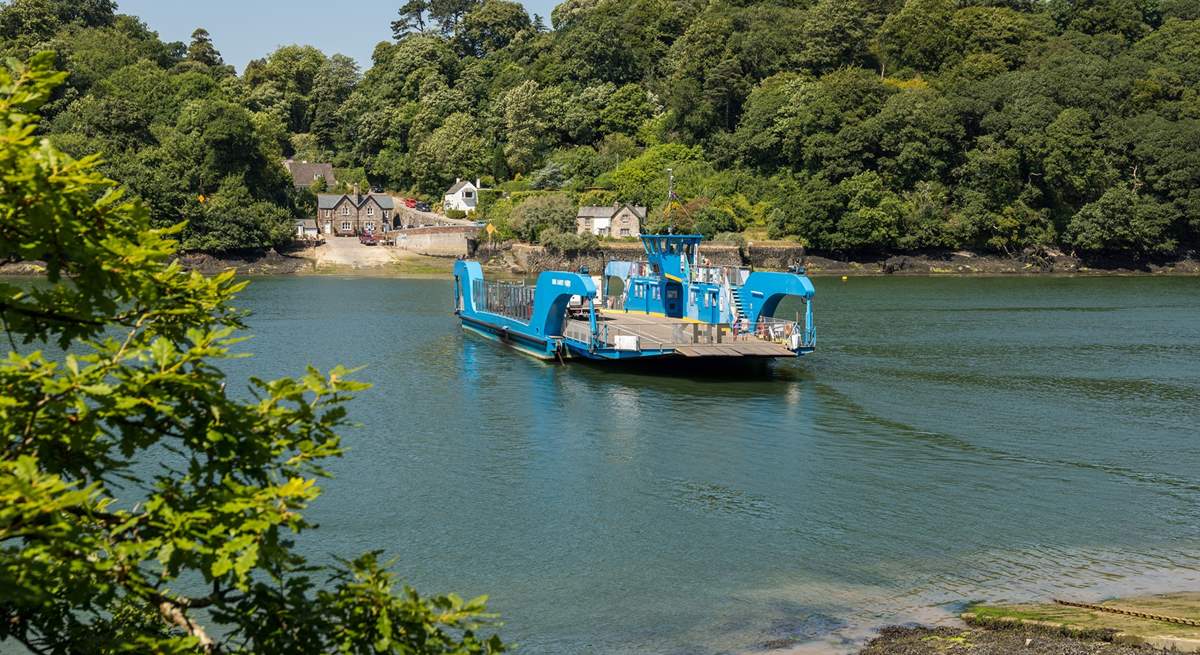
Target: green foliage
[
  {"x": 988, "y": 124},
  {"x": 542, "y": 213},
  {"x": 1122, "y": 221},
  {"x": 145, "y": 507},
  {"x": 568, "y": 243}
]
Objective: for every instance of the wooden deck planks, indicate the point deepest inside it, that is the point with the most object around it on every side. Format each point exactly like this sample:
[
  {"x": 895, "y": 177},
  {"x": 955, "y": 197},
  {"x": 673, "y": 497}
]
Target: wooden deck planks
[{"x": 657, "y": 331}]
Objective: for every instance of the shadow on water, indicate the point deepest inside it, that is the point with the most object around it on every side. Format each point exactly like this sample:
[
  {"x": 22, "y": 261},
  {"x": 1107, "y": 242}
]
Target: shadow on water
[{"x": 700, "y": 369}]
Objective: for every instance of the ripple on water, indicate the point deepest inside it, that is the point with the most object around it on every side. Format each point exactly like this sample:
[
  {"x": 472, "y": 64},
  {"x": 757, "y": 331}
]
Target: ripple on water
[{"x": 951, "y": 440}]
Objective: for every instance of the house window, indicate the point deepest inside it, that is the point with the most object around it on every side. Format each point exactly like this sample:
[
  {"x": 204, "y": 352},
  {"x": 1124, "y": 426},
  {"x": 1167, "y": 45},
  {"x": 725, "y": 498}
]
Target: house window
[
  {"x": 624, "y": 231},
  {"x": 328, "y": 213},
  {"x": 345, "y": 226},
  {"x": 370, "y": 211},
  {"x": 467, "y": 194},
  {"x": 655, "y": 293},
  {"x": 345, "y": 210},
  {"x": 386, "y": 214}
]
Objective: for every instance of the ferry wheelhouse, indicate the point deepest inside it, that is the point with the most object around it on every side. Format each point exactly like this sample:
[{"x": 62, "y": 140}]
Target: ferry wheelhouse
[{"x": 667, "y": 306}]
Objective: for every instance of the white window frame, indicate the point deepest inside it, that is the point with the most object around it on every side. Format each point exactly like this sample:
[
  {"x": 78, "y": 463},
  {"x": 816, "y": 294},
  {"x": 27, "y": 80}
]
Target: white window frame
[
  {"x": 345, "y": 210},
  {"x": 370, "y": 210},
  {"x": 328, "y": 213},
  {"x": 347, "y": 226}
]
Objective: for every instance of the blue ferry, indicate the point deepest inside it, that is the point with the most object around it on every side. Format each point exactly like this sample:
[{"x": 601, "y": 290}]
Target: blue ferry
[{"x": 668, "y": 306}]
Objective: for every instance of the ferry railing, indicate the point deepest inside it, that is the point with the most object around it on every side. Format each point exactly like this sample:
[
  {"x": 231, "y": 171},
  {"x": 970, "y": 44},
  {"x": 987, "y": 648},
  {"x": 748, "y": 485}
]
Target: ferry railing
[
  {"x": 510, "y": 299},
  {"x": 780, "y": 330},
  {"x": 606, "y": 336},
  {"x": 726, "y": 275}
]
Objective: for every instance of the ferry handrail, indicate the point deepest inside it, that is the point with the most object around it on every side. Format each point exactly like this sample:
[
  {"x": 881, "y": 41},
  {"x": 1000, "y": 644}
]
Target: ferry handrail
[{"x": 780, "y": 330}]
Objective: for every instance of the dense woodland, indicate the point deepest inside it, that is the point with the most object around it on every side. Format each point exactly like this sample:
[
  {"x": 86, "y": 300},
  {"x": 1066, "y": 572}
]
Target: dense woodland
[{"x": 850, "y": 125}]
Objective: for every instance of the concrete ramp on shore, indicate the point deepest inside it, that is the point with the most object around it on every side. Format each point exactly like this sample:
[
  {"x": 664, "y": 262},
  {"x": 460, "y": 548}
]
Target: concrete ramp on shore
[{"x": 1166, "y": 621}]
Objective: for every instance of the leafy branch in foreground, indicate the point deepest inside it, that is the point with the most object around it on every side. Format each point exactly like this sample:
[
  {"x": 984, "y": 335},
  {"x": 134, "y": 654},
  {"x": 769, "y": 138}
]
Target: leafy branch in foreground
[{"x": 142, "y": 508}]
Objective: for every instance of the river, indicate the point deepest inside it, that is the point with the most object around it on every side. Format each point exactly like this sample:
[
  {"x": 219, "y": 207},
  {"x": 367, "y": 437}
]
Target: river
[{"x": 952, "y": 439}]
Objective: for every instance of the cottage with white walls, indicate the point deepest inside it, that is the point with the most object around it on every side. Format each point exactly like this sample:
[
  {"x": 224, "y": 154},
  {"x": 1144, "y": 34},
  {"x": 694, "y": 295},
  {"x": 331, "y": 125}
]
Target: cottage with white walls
[{"x": 463, "y": 196}]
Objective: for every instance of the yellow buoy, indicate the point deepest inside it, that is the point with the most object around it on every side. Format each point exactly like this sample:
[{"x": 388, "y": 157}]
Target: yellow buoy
[{"x": 844, "y": 278}]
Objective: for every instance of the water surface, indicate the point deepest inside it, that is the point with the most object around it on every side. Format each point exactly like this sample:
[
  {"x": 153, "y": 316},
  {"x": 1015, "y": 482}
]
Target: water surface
[{"x": 951, "y": 439}]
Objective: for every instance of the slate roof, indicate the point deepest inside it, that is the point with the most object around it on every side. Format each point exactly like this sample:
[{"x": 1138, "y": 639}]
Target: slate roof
[
  {"x": 608, "y": 211},
  {"x": 310, "y": 223},
  {"x": 305, "y": 173},
  {"x": 458, "y": 186},
  {"x": 331, "y": 200}
]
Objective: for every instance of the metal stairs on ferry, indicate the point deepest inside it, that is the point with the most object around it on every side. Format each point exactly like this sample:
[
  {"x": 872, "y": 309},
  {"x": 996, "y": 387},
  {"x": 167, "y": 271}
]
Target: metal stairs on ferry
[{"x": 736, "y": 296}]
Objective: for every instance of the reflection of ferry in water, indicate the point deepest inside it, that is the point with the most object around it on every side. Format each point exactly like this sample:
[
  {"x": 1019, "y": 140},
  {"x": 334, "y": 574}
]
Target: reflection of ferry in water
[{"x": 668, "y": 306}]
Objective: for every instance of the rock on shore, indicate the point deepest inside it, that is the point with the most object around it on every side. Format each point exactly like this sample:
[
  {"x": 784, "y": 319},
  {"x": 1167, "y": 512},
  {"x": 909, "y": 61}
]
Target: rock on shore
[{"x": 987, "y": 641}]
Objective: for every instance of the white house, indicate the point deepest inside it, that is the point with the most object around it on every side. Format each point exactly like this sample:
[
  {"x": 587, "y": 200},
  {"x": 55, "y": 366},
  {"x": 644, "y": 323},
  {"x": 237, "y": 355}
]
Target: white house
[{"x": 463, "y": 196}]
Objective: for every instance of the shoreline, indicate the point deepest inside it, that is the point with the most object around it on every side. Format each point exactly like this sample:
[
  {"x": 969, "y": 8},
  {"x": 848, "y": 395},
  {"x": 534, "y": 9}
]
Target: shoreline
[{"x": 526, "y": 261}]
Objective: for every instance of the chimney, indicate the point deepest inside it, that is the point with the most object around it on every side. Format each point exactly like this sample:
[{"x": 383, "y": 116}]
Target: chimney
[
  {"x": 477, "y": 184},
  {"x": 457, "y": 180},
  {"x": 357, "y": 195}
]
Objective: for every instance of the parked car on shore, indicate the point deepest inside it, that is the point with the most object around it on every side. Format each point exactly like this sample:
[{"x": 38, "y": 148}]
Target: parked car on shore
[
  {"x": 423, "y": 207},
  {"x": 411, "y": 203}
]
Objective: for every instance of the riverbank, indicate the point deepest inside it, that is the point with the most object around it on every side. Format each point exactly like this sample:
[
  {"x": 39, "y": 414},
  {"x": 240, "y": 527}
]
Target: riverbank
[
  {"x": 527, "y": 259},
  {"x": 1133, "y": 624},
  {"x": 918, "y": 640},
  {"x": 520, "y": 260}
]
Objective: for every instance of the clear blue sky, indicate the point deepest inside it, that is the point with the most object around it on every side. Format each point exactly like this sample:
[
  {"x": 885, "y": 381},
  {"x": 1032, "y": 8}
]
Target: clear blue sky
[{"x": 247, "y": 29}]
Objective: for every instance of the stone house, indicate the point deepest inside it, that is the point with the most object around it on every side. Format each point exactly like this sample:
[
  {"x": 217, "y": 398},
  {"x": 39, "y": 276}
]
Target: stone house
[
  {"x": 616, "y": 220},
  {"x": 350, "y": 214},
  {"x": 305, "y": 174},
  {"x": 463, "y": 197}
]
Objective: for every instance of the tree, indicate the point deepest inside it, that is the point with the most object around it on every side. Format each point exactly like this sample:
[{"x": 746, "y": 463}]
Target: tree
[
  {"x": 455, "y": 150},
  {"x": 146, "y": 507},
  {"x": 1122, "y": 221},
  {"x": 836, "y": 33},
  {"x": 412, "y": 18},
  {"x": 492, "y": 26},
  {"x": 526, "y": 113},
  {"x": 625, "y": 110},
  {"x": 33, "y": 21},
  {"x": 917, "y": 36},
  {"x": 332, "y": 87},
  {"x": 554, "y": 213},
  {"x": 202, "y": 51}
]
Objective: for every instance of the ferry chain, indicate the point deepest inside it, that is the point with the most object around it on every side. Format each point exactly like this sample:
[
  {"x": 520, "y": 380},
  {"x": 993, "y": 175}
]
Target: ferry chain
[{"x": 1121, "y": 610}]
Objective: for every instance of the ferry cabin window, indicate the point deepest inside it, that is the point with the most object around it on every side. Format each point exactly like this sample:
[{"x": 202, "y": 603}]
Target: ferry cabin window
[
  {"x": 655, "y": 293},
  {"x": 672, "y": 293}
]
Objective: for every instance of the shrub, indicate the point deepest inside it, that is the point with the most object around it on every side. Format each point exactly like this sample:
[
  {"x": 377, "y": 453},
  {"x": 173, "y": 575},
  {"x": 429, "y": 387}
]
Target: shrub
[
  {"x": 537, "y": 214},
  {"x": 569, "y": 243}
]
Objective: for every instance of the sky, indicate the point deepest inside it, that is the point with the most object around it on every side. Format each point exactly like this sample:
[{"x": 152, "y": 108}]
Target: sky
[{"x": 248, "y": 29}]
